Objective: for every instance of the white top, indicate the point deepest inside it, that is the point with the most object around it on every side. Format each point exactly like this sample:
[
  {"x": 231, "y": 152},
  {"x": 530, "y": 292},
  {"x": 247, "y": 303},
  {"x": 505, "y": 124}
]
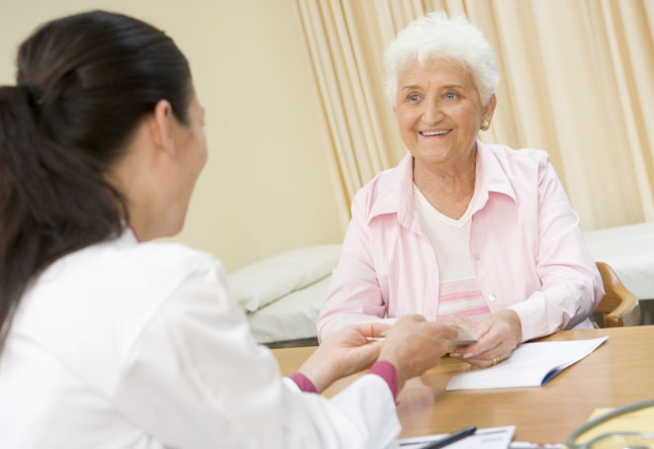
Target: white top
[
  {"x": 450, "y": 239},
  {"x": 459, "y": 292},
  {"x": 127, "y": 345}
]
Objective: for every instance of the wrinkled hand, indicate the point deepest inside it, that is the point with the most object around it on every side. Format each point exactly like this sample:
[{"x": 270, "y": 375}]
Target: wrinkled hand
[
  {"x": 345, "y": 352},
  {"x": 497, "y": 337},
  {"x": 414, "y": 345}
]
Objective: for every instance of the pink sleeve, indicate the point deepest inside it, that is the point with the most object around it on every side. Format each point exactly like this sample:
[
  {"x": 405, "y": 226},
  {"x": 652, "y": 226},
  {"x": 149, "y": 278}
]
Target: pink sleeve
[
  {"x": 386, "y": 370},
  {"x": 303, "y": 383},
  {"x": 571, "y": 282},
  {"x": 383, "y": 369},
  {"x": 354, "y": 294}
]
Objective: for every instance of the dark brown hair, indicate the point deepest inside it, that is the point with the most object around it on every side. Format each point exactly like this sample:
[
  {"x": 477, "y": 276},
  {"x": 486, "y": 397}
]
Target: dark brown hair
[{"x": 84, "y": 83}]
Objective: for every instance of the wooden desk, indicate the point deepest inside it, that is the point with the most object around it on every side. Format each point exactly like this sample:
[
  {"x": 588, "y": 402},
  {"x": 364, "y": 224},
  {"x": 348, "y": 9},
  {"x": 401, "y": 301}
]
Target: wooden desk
[{"x": 619, "y": 372}]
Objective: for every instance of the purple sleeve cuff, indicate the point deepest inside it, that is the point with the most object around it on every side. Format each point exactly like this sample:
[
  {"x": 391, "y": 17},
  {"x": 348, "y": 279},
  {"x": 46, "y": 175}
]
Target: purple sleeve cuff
[
  {"x": 304, "y": 384},
  {"x": 386, "y": 371}
]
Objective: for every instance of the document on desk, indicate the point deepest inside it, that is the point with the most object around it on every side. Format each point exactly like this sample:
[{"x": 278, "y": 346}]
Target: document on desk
[
  {"x": 530, "y": 365},
  {"x": 488, "y": 438}
]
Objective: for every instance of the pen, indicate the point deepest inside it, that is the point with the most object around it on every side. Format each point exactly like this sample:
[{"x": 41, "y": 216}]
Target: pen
[{"x": 453, "y": 437}]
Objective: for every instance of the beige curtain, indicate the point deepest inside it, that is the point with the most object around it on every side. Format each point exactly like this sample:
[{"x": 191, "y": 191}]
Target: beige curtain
[{"x": 577, "y": 80}]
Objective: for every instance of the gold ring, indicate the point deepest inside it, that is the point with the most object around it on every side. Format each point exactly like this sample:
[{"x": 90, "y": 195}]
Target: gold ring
[{"x": 496, "y": 360}]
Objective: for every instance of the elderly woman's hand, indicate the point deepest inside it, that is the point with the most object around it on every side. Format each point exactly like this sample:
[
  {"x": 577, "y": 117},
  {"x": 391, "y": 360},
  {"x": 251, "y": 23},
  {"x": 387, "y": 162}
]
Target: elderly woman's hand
[{"x": 497, "y": 337}]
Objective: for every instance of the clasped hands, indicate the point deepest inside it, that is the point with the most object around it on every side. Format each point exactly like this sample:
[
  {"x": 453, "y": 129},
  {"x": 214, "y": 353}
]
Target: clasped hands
[{"x": 413, "y": 345}]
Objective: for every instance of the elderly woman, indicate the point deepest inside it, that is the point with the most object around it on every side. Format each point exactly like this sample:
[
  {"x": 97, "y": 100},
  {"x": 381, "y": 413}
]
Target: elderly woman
[{"x": 478, "y": 235}]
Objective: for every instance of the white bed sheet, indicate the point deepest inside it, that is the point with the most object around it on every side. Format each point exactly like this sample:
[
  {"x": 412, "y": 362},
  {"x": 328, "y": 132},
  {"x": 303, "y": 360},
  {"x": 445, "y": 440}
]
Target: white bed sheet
[
  {"x": 629, "y": 250},
  {"x": 291, "y": 317}
]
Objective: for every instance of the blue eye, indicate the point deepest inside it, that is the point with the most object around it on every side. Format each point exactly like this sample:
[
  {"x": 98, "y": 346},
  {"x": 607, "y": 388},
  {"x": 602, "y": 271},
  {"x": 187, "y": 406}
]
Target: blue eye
[
  {"x": 413, "y": 98},
  {"x": 451, "y": 96}
]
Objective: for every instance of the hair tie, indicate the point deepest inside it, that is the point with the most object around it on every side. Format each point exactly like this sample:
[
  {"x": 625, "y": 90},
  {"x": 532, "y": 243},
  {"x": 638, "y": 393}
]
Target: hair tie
[{"x": 33, "y": 91}]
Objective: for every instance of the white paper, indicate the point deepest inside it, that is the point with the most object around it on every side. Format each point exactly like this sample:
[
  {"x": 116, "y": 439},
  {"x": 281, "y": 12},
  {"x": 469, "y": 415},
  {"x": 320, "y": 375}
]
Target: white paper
[
  {"x": 489, "y": 438},
  {"x": 530, "y": 365}
]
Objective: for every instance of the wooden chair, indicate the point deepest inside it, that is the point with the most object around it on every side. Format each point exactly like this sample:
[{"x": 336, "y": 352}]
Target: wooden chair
[{"x": 619, "y": 307}]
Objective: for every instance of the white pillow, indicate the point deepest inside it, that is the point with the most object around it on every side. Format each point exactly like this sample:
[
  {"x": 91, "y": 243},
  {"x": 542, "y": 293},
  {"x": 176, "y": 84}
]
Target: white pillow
[
  {"x": 267, "y": 280},
  {"x": 292, "y": 317}
]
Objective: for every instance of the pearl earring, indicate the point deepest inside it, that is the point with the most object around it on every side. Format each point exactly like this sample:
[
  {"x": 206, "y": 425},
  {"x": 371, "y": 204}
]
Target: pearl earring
[{"x": 485, "y": 125}]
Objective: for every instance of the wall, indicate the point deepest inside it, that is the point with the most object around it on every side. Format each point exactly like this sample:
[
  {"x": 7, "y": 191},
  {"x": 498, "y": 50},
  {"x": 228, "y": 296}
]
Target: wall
[{"x": 267, "y": 185}]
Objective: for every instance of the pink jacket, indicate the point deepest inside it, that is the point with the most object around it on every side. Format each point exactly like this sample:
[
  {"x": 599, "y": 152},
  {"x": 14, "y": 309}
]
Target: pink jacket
[{"x": 526, "y": 246}]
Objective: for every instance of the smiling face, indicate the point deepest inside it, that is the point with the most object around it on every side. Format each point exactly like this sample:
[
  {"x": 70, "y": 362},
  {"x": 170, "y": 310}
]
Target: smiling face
[{"x": 439, "y": 112}]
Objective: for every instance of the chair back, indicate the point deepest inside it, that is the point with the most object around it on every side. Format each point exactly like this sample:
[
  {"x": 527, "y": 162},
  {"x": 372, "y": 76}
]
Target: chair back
[{"x": 619, "y": 307}]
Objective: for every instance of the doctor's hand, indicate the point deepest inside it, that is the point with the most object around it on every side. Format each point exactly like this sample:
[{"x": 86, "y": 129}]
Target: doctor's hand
[
  {"x": 414, "y": 345},
  {"x": 497, "y": 337},
  {"x": 345, "y": 352}
]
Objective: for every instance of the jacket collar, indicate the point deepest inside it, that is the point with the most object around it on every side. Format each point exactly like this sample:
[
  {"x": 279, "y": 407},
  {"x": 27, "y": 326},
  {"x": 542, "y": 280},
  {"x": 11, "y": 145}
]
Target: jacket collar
[{"x": 398, "y": 199}]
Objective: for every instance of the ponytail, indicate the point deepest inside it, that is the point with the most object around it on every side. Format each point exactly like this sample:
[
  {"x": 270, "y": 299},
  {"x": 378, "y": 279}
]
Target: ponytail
[{"x": 52, "y": 202}]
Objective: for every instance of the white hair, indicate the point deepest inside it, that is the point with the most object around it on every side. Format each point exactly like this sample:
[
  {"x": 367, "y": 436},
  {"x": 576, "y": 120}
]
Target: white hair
[{"x": 437, "y": 36}]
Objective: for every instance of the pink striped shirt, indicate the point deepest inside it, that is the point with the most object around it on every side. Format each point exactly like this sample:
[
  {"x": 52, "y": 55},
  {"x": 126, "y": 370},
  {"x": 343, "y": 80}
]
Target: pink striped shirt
[{"x": 463, "y": 298}]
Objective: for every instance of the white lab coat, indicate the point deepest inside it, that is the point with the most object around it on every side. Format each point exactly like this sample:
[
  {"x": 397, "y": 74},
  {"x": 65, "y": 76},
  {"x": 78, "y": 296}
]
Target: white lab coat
[{"x": 128, "y": 345}]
